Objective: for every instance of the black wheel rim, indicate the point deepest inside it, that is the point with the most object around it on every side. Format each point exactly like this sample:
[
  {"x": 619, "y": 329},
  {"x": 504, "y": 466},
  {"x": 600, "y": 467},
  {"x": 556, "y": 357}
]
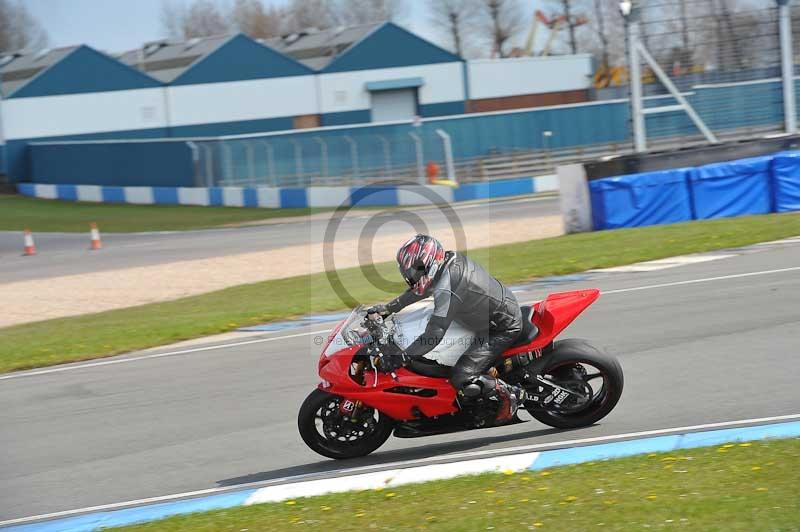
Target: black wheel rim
[
  {"x": 336, "y": 430},
  {"x": 585, "y": 378}
]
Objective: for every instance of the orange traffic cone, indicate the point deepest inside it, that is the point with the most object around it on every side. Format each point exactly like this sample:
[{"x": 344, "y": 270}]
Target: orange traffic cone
[
  {"x": 96, "y": 244},
  {"x": 30, "y": 247}
]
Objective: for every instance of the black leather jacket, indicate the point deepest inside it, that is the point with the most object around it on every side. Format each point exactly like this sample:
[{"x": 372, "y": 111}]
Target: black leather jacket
[{"x": 464, "y": 292}]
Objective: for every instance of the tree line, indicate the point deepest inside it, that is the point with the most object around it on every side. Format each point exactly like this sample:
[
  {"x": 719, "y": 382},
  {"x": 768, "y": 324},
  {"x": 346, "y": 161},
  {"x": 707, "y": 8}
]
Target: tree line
[{"x": 725, "y": 34}]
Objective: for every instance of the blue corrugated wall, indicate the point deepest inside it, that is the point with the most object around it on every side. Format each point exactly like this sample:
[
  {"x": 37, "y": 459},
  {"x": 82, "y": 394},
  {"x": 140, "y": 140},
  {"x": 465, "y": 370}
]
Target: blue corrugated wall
[
  {"x": 473, "y": 135},
  {"x": 117, "y": 163}
]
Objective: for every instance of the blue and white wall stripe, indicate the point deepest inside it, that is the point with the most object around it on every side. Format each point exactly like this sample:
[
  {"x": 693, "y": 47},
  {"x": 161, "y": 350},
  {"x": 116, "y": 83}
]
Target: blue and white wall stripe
[{"x": 291, "y": 197}]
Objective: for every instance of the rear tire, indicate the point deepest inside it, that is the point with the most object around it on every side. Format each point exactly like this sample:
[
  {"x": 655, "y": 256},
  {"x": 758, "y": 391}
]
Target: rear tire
[
  {"x": 334, "y": 448},
  {"x": 574, "y": 351}
]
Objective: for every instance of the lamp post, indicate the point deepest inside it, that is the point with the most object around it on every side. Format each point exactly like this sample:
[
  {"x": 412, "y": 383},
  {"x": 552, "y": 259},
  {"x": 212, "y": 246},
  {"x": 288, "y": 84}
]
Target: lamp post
[
  {"x": 630, "y": 13},
  {"x": 787, "y": 67}
]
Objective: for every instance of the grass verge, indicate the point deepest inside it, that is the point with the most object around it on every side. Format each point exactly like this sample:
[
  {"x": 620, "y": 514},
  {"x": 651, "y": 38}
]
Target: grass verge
[
  {"x": 746, "y": 486},
  {"x": 96, "y": 335},
  {"x": 18, "y": 213}
]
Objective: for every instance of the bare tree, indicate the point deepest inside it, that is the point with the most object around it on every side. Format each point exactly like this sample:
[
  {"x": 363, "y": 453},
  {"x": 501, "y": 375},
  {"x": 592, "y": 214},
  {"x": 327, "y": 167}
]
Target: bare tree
[
  {"x": 604, "y": 36},
  {"x": 453, "y": 18},
  {"x": 304, "y": 14},
  {"x": 18, "y": 29},
  {"x": 599, "y": 15},
  {"x": 355, "y": 12},
  {"x": 201, "y": 19},
  {"x": 502, "y": 20},
  {"x": 253, "y": 19},
  {"x": 573, "y": 16}
]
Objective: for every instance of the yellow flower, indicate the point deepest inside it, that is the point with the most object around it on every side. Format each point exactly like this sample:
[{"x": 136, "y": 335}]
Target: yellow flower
[
  {"x": 291, "y": 503},
  {"x": 668, "y": 459},
  {"x": 326, "y": 508},
  {"x": 391, "y": 494},
  {"x": 542, "y": 488},
  {"x": 489, "y": 491},
  {"x": 537, "y": 525},
  {"x": 755, "y": 468},
  {"x": 508, "y": 472},
  {"x": 748, "y": 444},
  {"x": 651, "y": 497},
  {"x": 545, "y": 473},
  {"x": 761, "y": 489},
  {"x": 571, "y": 498},
  {"x": 360, "y": 514},
  {"x": 523, "y": 500},
  {"x": 728, "y": 446},
  {"x": 430, "y": 518}
]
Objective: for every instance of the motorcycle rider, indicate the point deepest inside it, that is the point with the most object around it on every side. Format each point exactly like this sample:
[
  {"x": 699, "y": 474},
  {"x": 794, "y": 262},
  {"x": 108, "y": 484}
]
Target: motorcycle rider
[{"x": 464, "y": 292}]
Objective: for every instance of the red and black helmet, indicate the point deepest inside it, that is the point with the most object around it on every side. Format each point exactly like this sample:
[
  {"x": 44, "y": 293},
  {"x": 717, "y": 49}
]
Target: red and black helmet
[{"x": 419, "y": 260}]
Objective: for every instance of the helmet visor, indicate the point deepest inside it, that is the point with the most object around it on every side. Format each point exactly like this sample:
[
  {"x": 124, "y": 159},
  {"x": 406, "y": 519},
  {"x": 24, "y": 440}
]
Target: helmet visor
[{"x": 413, "y": 275}]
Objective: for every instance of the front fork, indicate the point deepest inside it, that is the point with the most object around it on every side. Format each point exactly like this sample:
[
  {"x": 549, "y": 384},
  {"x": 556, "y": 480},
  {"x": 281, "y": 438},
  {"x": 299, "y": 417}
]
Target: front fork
[{"x": 350, "y": 410}]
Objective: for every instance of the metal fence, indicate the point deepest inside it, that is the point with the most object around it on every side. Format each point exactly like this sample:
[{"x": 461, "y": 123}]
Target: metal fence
[
  {"x": 723, "y": 68},
  {"x": 701, "y": 71},
  {"x": 301, "y": 160}
]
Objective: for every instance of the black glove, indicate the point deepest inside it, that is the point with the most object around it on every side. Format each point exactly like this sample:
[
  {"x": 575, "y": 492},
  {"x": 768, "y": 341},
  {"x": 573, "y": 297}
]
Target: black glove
[
  {"x": 393, "y": 362},
  {"x": 378, "y": 309}
]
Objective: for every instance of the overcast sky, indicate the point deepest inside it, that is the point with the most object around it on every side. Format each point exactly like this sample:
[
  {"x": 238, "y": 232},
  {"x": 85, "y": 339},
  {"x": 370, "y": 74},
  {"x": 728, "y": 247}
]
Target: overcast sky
[{"x": 119, "y": 25}]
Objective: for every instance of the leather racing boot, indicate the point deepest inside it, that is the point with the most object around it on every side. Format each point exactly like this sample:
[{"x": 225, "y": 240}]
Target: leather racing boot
[{"x": 510, "y": 398}]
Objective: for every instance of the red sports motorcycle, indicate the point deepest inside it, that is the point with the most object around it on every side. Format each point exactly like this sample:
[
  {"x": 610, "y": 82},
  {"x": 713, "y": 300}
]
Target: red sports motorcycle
[{"x": 356, "y": 407}]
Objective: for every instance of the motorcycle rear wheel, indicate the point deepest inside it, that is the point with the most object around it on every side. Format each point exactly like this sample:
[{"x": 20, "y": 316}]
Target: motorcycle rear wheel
[
  {"x": 320, "y": 403},
  {"x": 571, "y": 352}
]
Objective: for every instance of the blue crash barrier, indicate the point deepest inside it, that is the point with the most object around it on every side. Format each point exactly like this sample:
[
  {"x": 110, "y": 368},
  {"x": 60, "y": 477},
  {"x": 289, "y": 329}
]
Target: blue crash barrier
[
  {"x": 786, "y": 181},
  {"x": 734, "y": 188},
  {"x": 757, "y": 185},
  {"x": 641, "y": 199}
]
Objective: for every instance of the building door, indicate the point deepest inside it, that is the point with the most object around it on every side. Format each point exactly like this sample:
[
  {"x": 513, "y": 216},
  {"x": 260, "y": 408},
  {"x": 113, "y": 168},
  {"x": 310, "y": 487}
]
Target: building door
[{"x": 389, "y": 105}]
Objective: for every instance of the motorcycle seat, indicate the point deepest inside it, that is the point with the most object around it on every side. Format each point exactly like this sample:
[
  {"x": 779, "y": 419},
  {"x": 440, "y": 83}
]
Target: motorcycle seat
[
  {"x": 529, "y": 330},
  {"x": 429, "y": 368}
]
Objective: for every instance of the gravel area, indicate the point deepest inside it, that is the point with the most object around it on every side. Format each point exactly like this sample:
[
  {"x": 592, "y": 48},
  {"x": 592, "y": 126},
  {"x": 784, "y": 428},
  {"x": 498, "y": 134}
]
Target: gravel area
[{"x": 70, "y": 295}]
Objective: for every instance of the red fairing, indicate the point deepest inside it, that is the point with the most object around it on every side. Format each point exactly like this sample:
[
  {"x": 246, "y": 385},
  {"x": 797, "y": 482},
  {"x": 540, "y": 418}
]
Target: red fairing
[
  {"x": 374, "y": 394},
  {"x": 551, "y": 316},
  {"x": 554, "y": 314}
]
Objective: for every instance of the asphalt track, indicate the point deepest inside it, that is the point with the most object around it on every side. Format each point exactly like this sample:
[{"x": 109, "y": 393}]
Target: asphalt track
[
  {"x": 699, "y": 344},
  {"x": 68, "y": 253}
]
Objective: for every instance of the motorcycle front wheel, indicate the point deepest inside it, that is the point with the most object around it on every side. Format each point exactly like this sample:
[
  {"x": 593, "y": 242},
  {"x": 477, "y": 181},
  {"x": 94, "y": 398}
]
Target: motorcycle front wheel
[
  {"x": 597, "y": 376},
  {"x": 327, "y": 429}
]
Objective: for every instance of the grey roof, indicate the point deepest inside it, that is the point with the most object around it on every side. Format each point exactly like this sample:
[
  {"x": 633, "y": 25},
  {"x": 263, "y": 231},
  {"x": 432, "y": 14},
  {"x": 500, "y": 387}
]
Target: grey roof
[
  {"x": 166, "y": 60},
  {"x": 317, "y": 48},
  {"x": 18, "y": 68}
]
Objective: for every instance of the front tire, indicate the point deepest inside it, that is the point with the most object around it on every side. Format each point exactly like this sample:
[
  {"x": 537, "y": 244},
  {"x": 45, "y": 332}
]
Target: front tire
[
  {"x": 348, "y": 439},
  {"x": 566, "y": 355}
]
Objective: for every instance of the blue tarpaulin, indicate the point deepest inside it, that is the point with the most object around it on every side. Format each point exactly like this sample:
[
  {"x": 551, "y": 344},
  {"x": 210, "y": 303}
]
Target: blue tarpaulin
[
  {"x": 786, "y": 181},
  {"x": 732, "y": 188},
  {"x": 641, "y": 199}
]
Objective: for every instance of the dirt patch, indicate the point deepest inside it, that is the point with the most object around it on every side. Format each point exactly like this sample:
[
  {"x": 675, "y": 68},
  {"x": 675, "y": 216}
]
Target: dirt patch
[{"x": 71, "y": 295}]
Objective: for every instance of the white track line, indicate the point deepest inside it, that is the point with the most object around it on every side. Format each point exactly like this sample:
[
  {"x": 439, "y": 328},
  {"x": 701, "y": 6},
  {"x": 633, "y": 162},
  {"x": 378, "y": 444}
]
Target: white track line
[
  {"x": 406, "y": 463},
  {"x": 663, "y": 264},
  {"x": 59, "y": 369},
  {"x": 704, "y": 280}
]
